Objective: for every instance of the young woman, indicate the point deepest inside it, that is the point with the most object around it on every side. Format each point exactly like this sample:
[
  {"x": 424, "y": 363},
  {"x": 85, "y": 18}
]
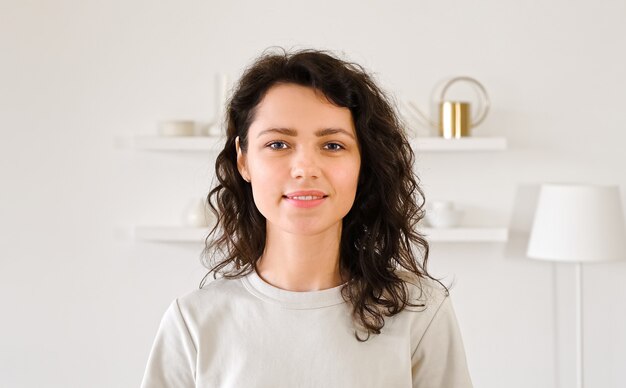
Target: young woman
[{"x": 323, "y": 274}]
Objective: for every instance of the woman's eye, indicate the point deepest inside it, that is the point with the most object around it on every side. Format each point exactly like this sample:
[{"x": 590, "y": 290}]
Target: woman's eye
[
  {"x": 335, "y": 146},
  {"x": 279, "y": 143}
]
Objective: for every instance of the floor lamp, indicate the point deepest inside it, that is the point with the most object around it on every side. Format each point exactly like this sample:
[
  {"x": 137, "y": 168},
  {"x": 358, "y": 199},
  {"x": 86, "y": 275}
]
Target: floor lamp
[{"x": 578, "y": 223}]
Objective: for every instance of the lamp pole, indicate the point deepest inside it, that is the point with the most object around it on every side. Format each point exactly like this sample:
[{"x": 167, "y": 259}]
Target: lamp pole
[{"x": 579, "y": 324}]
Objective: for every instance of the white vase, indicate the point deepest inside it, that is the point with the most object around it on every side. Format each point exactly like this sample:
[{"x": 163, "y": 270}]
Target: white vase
[
  {"x": 216, "y": 128},
  {"x": 197, "y": 214},
  {"x": 442, "y": 214}
]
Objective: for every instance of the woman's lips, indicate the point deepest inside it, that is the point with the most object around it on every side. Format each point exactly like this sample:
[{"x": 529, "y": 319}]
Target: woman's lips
[
  {"x": 315, "y": 193},
  {"x": 303, "y": 200}
]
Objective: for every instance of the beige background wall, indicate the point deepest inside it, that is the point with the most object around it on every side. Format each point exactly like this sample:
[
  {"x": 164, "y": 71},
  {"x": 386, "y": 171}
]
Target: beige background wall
[{"x": 82, "y": 302}]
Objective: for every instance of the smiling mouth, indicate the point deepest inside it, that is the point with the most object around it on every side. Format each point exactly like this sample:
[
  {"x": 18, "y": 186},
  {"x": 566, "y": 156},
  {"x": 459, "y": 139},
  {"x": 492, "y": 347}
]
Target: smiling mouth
[{"x": 305, "y": 197}]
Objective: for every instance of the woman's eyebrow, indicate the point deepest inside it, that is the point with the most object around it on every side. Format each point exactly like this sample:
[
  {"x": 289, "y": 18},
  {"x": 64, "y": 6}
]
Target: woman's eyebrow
[{"x": 293, "y": 132}]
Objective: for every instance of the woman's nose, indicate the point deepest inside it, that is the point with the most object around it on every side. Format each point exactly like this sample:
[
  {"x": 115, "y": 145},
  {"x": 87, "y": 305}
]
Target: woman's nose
[{"x": 305, "y": 165}]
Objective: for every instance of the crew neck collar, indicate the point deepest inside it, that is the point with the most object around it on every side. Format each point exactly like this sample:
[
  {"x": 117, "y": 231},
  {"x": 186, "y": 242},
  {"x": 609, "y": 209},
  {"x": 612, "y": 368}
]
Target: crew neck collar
[{"x": 301, "y": 300}]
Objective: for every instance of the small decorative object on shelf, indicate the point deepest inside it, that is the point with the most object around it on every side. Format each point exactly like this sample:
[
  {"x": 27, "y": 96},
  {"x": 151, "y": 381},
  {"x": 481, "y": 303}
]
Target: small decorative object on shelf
[
  {"x": 197, "y": 214},
  {"x": 455, "y": 120},
  {"x": 442, "y": 214},
  {"x": 177, "y": 128},
  {"x": 221, "y": 95}
]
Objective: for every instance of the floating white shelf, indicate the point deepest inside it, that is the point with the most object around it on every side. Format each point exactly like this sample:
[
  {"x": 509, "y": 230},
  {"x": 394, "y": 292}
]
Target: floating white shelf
[
  {"x": 191, "y": 234},
  {"x": 467, "y": 234},
  {"x": 170, "y": 233},
  {"x": 440, "y": 144},
  {"x": 178, "y": 143},
  {"x": 214, "y": 144}
]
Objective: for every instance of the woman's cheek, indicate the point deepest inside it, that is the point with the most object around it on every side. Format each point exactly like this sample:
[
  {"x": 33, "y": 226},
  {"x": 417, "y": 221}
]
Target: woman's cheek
[{"x": 350, "y": 173}]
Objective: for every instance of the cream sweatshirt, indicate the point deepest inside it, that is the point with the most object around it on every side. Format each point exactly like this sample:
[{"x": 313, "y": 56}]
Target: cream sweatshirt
[{"x": 248, "y": 333}]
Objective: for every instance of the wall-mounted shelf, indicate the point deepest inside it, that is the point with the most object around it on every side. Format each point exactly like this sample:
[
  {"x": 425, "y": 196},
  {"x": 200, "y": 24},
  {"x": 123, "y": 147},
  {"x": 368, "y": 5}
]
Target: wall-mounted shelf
[
  {"x": 170, "y": 233},
  {"x": 214, "y": 144},
  {"x": 467, "y": 234},
  {"x": 191, "y": 234},
  {"x": 178, "y": 143},
  {"x": 439, "y": 144}
]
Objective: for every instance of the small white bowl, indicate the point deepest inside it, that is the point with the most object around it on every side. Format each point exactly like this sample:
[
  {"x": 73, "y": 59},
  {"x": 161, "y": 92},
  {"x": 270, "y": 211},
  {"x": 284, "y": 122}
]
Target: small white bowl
[
  {"x": 177, "y": 128},
  {"x": 441, "y": 205},
  {"x": 443, "y": 218}
]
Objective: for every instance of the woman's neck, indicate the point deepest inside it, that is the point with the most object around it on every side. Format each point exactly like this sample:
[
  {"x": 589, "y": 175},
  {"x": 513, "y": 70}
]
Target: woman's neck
[{"x": 301, "y": 263}]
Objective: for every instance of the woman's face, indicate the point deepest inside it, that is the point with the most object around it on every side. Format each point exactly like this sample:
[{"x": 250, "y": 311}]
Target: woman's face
[{"x": 300, "y": 142}]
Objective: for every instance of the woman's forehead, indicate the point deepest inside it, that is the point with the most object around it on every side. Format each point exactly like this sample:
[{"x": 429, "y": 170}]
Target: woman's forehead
[{"x": 298, "y": 110}]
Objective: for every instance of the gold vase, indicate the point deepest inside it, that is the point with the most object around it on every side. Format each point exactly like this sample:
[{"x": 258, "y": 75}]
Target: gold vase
[{"x": 454, "y": 119}]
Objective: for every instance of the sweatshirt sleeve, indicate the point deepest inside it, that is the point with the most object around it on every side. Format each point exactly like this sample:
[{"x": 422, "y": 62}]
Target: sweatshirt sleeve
[
  {"x": 172, "y": 360},
  {"x": 439, "y": 359}
]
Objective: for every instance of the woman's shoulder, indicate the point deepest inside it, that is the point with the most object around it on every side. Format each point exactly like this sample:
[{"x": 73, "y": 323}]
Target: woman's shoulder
[
  {"x": 213, "y": 293},
  {"x": 422, "y": 289},
  {"x": 429, "y": 299}
]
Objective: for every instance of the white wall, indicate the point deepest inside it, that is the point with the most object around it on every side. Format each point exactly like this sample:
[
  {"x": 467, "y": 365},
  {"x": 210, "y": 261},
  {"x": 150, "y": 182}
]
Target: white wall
[{"x": 82, "y": 302}]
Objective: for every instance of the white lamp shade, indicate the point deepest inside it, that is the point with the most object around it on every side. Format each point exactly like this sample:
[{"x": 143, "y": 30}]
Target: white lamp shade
[{"x": 578, "y": 223}]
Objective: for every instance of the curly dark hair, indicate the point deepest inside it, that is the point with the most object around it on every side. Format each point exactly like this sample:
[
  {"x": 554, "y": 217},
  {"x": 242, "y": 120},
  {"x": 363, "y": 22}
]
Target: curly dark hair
[{"x": 379, "y": 230}]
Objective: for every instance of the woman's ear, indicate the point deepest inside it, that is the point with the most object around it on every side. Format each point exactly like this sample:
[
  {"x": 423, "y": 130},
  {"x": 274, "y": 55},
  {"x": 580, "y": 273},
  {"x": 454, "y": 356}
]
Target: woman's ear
[{"x": 241, "y": 161}]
